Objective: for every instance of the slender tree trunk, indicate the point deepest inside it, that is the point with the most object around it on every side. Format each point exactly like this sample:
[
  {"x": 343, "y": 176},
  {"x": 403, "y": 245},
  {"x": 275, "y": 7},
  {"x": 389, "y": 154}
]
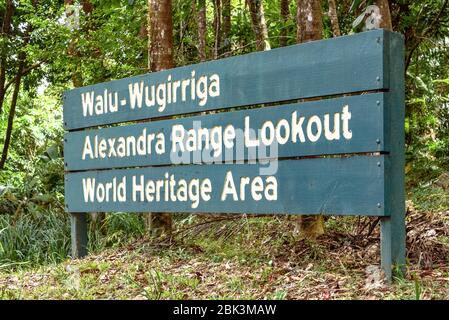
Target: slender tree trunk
[
  {"x": 15, "y": 95},
  {"x": 217, "y": 27},
  {"x": 4, "y": 34},
  {"x": 11, "y": 115},
  {"x": 310, "y": 28},
  {"x": 259, "y": 24},
  {"x": 285, "y": 13},
  {"x": 161, "y": 35},
  {"x": 384, "y": 7},
  {"x": 73, "y": 52},
  {"x": 226, "y": 21},
  {"x": 417, "y": 40},
  {"x": 160, "y": 25},
  {"x": 309, "y": 21},
  {"x": 202, "y": 28},
  {"x": 334, "y": 18}
]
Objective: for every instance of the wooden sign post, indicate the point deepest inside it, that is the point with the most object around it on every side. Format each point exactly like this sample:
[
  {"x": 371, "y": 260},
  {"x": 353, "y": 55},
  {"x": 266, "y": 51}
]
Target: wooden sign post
[{"x": 328, "y": 139}]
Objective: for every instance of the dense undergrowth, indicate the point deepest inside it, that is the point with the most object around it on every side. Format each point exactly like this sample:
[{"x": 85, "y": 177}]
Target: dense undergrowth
[
  {"x": 254, "y": 257},
  {"x": 35, "y": 229},
  {"x": 35, "y": 237},
  {"x": 238, "y": 257}
]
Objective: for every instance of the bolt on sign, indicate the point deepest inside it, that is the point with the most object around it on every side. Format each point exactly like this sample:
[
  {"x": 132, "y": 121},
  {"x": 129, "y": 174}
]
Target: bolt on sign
[{"x": 314, "y": 128}]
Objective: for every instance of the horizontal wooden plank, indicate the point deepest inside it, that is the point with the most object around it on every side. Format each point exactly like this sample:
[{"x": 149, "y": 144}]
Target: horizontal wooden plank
[
  {"x": 337, "y": 186},
  {"x": 345, "y": 64},
  {"x": 128, "y": 146}
]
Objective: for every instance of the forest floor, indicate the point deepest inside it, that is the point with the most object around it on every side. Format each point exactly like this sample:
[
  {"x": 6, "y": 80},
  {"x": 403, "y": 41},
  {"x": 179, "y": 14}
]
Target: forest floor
[{"x": 231, "y": 257}]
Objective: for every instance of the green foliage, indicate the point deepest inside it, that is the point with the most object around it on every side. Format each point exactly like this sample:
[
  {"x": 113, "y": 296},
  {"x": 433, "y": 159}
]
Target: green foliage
[
  {"x": 36, "y": 238},
  {"x": 111, "y": 43}
]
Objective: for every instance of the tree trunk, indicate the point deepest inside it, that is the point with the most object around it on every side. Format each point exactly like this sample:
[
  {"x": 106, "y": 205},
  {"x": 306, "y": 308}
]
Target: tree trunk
[
  {"x": 226, "y": 22},
  {"x": 259, "y": 24},
  {"x": 202, "y": 30},
  {"x": 217, "y": 27},
  {"x": 73, "y": 52},
  {"x": 285, "y": 13},
  {"x": 77, "y": 77},
  {"x": 11, "y": 115},
  {"x": 4, "y": 34},
  {"x": 334, "y": 18},
  {"x": 310, "y": 28},
  {"x": 161, "y": 35},
  {"x": 15, "y": 95},
  {"x": 384, "y": 7},
  {"x": 309, "y": 21},
  {"x": 160, "y": 25}
]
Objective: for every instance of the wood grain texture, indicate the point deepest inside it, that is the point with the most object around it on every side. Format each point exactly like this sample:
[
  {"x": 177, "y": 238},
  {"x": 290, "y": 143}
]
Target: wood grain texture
[{"x": 346, "y": 64}]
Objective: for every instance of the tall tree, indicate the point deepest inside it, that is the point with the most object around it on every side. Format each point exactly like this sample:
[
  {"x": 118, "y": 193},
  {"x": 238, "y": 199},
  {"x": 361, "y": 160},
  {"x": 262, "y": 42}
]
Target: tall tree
[
  {"x": 226, "y": 28},
  {"x": 160, "y": 35},
  {"x": 285, "y": 12},
  {"x": 202, "y": 30},
  {"x": 309, "y": 28},
  {"x": 5, "y": 33},
  {"x": 259, "y": 24},
  {"x": 160, "y": 25},
  {"x": 73, "y": 15},
  {"x": 217, "y": 27},
  {"x": 334, "y": 18},
  {"x": 73, "y": 52},
  {"x": 22, "y": 68},
  {"x": 385, "y": 14},
  {"x": 309, "y": 21},
  {"x": 12, "y": 109},
  {"x": 417, "y": 33}
]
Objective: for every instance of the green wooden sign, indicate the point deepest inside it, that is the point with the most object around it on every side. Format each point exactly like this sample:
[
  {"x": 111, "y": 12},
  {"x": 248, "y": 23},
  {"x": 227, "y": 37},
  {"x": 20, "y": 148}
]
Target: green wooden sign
[
  {"x": 347, "y": 186},
  {"x": 316, "y": 128},
  {"x": 320, "y": 68},
  {"x": 228, "y": 136}
]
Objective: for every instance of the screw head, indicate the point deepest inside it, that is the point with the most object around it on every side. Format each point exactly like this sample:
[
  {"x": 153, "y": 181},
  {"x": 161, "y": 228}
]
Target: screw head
[
  {"x": 378, "y": 141},
  {"x": 379, "y": 205},
  {"x": 377, "y": 78}
]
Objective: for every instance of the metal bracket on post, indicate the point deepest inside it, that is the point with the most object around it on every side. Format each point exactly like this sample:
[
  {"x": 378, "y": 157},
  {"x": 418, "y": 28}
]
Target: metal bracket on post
[{"x": 78, "y": 223}]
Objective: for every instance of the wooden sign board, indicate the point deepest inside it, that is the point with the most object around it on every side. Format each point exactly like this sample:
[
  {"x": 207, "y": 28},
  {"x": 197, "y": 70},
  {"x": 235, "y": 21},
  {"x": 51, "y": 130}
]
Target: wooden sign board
[
  {"x": 347, "y": 186},
  {"x": 315, "y": 128},
  {"x": 294, "y": 126}
]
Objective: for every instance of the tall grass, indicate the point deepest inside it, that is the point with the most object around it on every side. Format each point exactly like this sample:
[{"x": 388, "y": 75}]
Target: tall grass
[
  {"x": 44, "y": 237},
  {"x": 33, "y": 239},
  {"x": 118, "y": 228}
]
